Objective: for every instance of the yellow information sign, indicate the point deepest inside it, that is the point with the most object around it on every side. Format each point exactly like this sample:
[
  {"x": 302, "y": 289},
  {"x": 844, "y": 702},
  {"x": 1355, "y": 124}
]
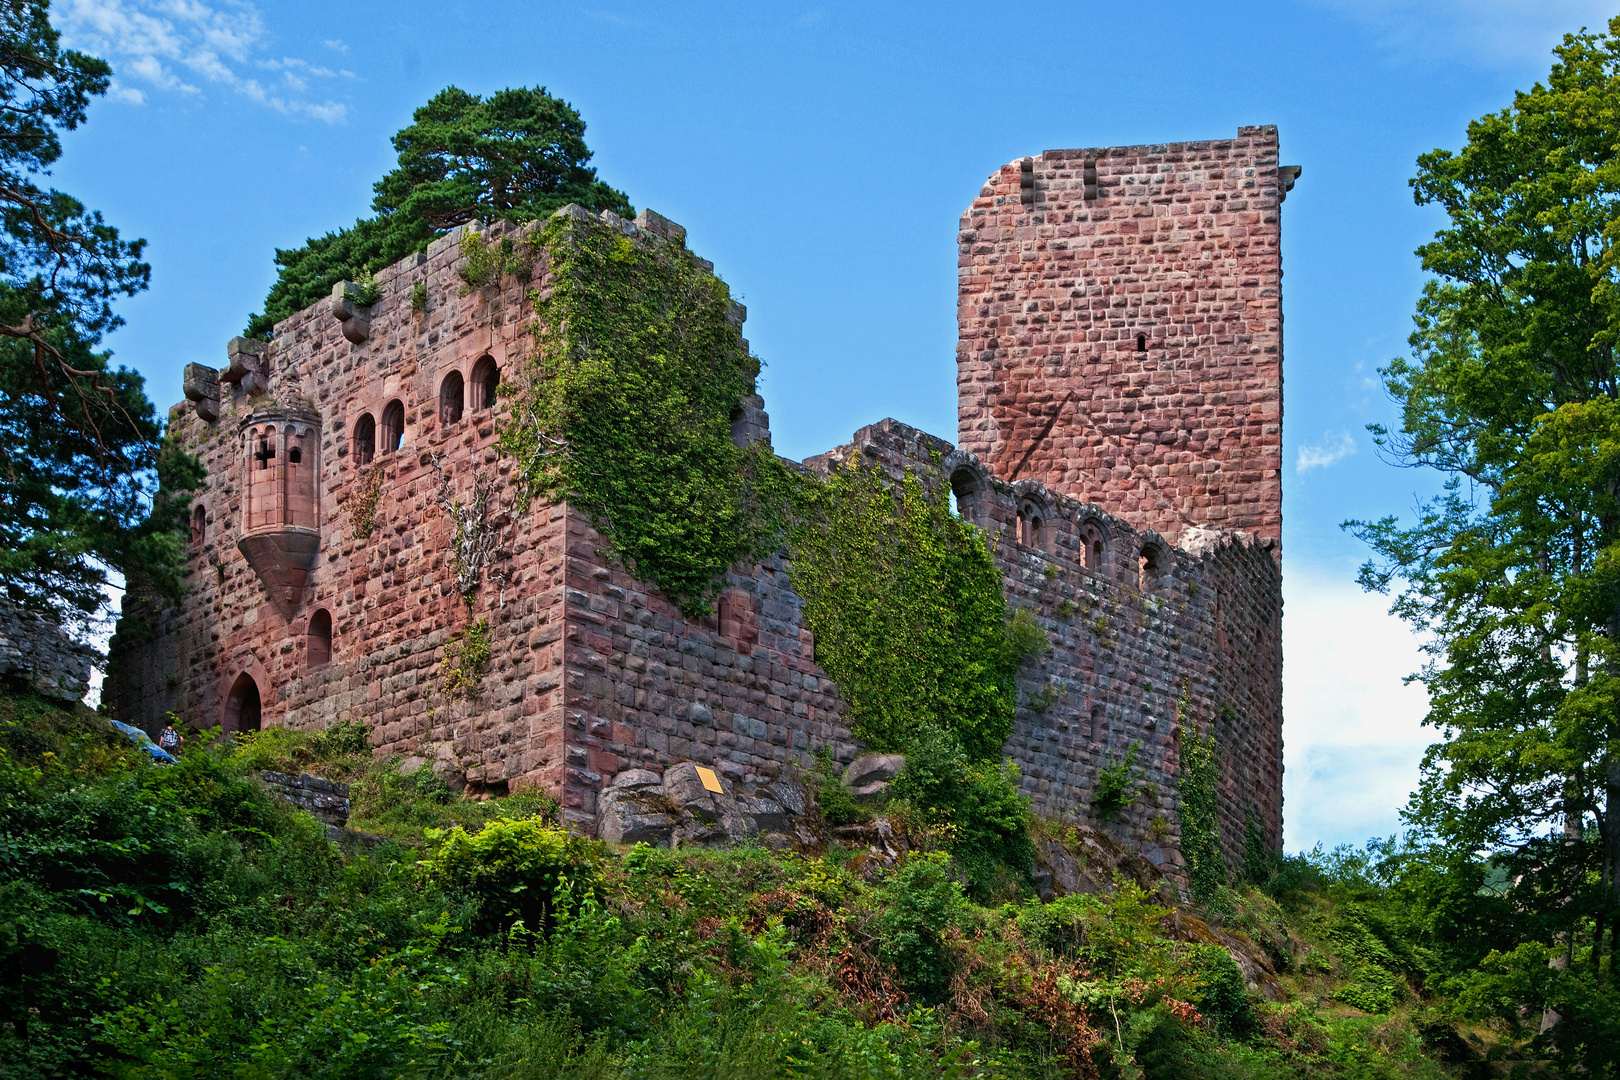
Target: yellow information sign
[{"x": 711, "y": 782}]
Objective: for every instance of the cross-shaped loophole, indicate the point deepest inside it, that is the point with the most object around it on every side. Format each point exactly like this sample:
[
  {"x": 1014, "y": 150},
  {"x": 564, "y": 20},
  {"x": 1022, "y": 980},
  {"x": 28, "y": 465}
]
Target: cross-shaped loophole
[{"x": 266, "y": 453}]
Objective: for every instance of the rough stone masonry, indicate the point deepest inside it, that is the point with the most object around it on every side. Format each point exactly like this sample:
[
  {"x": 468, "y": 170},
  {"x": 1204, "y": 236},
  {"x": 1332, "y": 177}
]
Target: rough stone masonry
[{"x": 1120, "y": 379}]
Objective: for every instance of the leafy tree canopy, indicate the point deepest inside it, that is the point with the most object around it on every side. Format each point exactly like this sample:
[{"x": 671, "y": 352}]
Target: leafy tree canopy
[
  {"x": 1514, "y": 571},
  {"x": 515, "y": 156},
  {"x": 79, "y": 441}
]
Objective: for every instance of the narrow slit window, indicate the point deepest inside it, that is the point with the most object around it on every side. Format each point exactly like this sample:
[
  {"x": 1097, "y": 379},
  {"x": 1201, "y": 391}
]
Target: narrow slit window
[
  {"x": 318, "y": 639},
  {"x": 393, "y": 424},
  {"x": 365, "y": 440},
  {"x": 452, "y": 396}
]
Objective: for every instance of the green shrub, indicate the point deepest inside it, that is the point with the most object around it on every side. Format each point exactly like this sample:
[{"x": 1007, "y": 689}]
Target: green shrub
[
  {"x": 976, "y": 809},
  {"x": 518, "y": 870},
  {"x": 834, "y": 800},
  {"x": 1116, "y": 784},
  {"x": 921, "y": 904},
  {"x": 1224, "y": 996}
]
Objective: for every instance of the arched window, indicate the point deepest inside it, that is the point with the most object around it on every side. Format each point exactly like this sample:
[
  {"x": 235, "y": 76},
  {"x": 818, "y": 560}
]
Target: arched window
[
  {"x": 1152, "y": 565},
  {"x": 1094, "y": 725},
  {"x": 965, "y": 489},
  {"x": 393, "y": 427},
  {"x": 1091, "y": 547},
  {"x": 295, "y": 455},
  {"x": 365, "y": 439},
  {"x": 451, "y": 398},
  {"x": 199, "y": 523},
  {"x": 318, "y": 640},
  {"x": 1141, "y": 343},
  {"x": 486, "y": 381},
  {"x": 242, "y": 705},
  {"x": 1032, "y": 530}
]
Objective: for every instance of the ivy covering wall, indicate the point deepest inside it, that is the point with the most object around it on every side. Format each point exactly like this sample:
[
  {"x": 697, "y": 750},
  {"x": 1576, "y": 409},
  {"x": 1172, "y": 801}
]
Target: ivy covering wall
[
  {"x": 905, "y": 602},
  {"x": 625, "y": 410}
]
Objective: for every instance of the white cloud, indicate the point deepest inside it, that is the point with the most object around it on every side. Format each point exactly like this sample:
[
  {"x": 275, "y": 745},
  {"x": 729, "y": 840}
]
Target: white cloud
[
  {"x": 1352, "y": 731},
  {"x": 1490, "y": 32},
  {"x": 127, "y": 94},
  {"x": 336, "y": 45},
  {"x": 175, "y": 45},
  {"x": 1332, "y": 449}
]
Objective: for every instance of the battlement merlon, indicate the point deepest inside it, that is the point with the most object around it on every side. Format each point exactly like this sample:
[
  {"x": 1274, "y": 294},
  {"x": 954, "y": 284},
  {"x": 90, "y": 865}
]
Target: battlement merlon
[{"x": 1120, "y": 329}]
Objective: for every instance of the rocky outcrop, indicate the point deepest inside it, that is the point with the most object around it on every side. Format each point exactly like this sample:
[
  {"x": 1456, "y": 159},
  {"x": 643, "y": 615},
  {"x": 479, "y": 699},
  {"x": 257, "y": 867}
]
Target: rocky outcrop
[
  {"x": 1086, "y": 860},
  {"x": 680, "y": 808},
  {"x": 36, "y": 655}
]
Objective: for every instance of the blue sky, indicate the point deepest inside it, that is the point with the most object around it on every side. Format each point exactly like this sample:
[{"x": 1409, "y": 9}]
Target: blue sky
[{"x": 820, "y": 154}]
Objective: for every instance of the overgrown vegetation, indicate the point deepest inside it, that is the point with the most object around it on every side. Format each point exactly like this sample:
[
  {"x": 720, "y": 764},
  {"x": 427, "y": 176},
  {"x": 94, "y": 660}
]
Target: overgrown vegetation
[
  {"x": 1199, "y": 803},
  {"x": 466, "y": 656},
  {"x": 904, "y": 599},
  {"x": 1117, "y": 783},
  {"x": 625, "y": 410},
  {"x": 176, "y": 921},
  {"x": 514, "y": 156}
]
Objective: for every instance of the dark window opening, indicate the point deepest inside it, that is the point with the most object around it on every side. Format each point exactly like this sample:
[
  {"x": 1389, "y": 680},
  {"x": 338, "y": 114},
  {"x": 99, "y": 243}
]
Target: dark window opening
[
  {"x": 199, "y": 524},
  {"x": 393, "y": 427},
  {"x": 242, "y": 706},
  {"x": 1094, "y": 723},
  {"x": 451, "y": 398},
  {"x": 365, "y": 439},
  {"x": 964, "y": 495},
  {"x": 1141, "y": 343},
  {"x": 294, "y": 455},
  {"x": 265, "y": 454},
  {"x": 486, "y": 382},
  {"x": 1150, "y": 568},
  {"x": 318, "y": 639}
]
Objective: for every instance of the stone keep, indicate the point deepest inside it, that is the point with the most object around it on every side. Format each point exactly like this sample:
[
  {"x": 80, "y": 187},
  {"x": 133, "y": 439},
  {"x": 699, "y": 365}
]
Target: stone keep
[{"x": 1120, "y": 385}]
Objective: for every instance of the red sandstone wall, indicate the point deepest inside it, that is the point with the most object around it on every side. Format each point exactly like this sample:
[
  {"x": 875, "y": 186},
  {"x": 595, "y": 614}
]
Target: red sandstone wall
[
  {"x": 390, "y": 594},
  {"x": 1177, "y": 243}
]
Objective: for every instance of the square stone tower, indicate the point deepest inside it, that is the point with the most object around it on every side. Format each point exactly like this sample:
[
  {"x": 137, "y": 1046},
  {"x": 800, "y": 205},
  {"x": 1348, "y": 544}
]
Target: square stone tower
[{"x": 1120, "y": 320}]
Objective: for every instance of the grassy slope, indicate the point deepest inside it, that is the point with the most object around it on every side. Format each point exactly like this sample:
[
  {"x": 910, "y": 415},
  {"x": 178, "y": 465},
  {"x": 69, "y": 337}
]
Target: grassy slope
[{"x": 176, "y": 922}]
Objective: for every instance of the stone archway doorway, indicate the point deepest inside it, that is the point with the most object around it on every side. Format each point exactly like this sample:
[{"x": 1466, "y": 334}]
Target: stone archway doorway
[{"x": 242, "y": 705}]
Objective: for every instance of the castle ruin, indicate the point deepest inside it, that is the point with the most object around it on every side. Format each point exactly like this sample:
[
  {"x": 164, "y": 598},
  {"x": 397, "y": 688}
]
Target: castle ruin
[{"x": 1119, "y": 441}]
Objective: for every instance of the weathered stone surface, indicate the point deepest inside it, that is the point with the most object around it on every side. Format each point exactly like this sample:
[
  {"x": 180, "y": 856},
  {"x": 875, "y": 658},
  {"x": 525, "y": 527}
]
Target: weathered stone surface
[
  {"x": 625, "y": 816},
  {"x": 637, "y": 779},
  {"x": 37, "y": 655},
  {"x": 870, "y": 774},
  {"x": 326, "y": 799}
]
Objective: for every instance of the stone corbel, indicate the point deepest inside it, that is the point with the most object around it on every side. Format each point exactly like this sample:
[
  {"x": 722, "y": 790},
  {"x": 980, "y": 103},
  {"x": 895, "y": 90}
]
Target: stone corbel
[
  {"x": 356, "y": 318},
  {"x": 1287, "y": 177},
  {"x": 202, "y": 389},
  {"x": 249, "y": 367}
]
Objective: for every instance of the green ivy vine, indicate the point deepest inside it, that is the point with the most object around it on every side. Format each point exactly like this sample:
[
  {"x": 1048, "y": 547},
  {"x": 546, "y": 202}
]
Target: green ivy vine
[
  {"x": 625, "y": 409},
  {"x": 905, "y": 602},
  {"x": 466, "y": 656},
  {"x": 1198, "y": 789}
]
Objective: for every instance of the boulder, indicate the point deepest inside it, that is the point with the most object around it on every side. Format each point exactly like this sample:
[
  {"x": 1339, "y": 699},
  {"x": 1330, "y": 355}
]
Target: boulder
[
  {"x": 637, "y": 779},
  {"x": 625, "y": 816},
  {"x": 869, "y": 775},
  {"x": 705, "y": 817}
]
